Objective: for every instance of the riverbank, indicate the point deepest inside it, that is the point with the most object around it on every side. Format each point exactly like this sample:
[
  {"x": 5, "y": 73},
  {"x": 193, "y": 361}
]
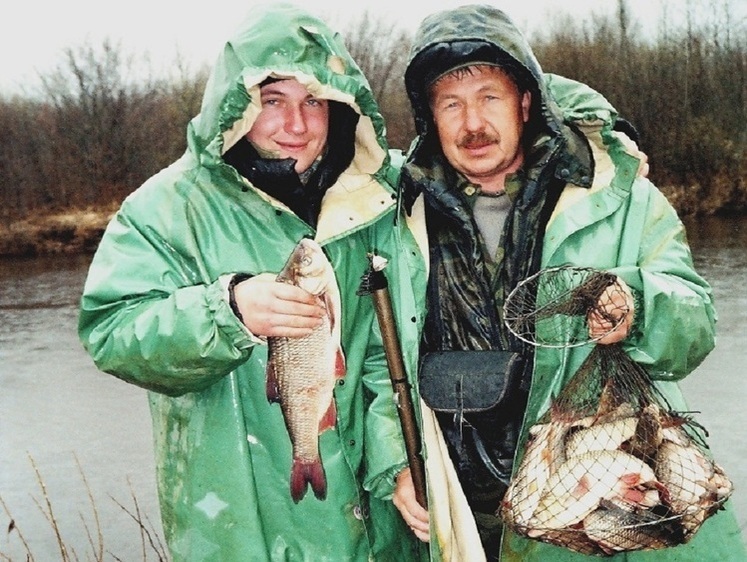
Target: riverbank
[
  {"x": 75, "y": 231},
  {"x": 78, "y": 231}
]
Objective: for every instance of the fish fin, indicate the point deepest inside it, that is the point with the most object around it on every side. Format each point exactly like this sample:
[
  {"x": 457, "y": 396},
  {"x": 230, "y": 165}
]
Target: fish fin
[
  {"x": 340, "y": 368},
  {"x": 329, "y": 419},
  {"x": 666, "y": 496},
  {"x": 581, "y": 488},
  {"x": 631, "y": 479},
  {"x": 272, "y": 389},
  {"x": 330, "y": 308},
  {"x": 633, "y": 496},
  {"x": 304, "y": 473}
]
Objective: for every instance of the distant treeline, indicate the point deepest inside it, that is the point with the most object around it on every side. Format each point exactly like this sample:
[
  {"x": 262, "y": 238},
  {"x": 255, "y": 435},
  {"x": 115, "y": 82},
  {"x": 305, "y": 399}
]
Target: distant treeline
[{"x": 95, "y": 129}]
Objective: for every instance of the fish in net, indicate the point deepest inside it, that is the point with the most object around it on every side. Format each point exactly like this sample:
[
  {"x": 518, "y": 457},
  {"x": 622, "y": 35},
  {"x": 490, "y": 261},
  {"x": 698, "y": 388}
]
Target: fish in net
[{"x": 611, "y": 467}]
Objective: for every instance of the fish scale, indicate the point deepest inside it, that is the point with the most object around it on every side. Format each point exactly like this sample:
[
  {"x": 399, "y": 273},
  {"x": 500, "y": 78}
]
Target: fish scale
[{"x": 305, "y": 389}]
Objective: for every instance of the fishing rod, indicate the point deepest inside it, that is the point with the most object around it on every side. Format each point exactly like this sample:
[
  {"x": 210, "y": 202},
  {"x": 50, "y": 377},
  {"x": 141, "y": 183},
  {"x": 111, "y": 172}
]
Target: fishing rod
[{"x": 375, "y": 283}]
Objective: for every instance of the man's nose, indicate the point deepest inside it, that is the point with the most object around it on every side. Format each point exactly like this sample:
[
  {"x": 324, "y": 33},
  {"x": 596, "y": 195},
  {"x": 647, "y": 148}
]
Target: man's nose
[
  {"x": 295, "y": 120},
  {"x": 473, "y": 118}
]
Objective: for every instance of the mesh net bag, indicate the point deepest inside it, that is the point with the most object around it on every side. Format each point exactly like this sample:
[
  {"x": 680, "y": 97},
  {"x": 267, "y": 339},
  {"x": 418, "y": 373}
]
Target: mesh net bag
[
  {"x": 550, "y": 308},
  {"x": 610, "y": 467}
]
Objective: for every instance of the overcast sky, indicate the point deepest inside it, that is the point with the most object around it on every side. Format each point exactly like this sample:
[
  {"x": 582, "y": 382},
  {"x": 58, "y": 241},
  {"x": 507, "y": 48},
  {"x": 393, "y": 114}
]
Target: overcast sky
[{"x": 34, "y": 33}]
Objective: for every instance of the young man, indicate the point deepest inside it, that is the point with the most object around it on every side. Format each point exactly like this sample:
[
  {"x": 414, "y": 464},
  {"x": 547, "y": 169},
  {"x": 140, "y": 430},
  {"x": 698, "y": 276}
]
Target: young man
[
  {"x": 182, "y": 296},
  {"x": 501, "y": 183}
]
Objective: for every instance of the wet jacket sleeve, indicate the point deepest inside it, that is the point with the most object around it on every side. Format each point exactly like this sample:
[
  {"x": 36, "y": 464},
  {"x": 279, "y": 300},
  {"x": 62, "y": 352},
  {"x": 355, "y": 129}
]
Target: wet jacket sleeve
[
  {"x": 150, "y": 317},
  {"x": 674, "y": 328},
  {"x": 385, "y": 454}
]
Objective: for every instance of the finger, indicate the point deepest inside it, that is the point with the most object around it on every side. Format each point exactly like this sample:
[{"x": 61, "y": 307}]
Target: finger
[
  {"x": 293, "y": 321},
  {"x": 416, "y": 516},
  {"x": 423, "y": 536},
  {"x": 300, "y": 312},
  {"x": 286, "y": 325},
  {"x": 599, "y": 324},
  {"x": 619, "y": 333},
  {"x": 419, "y": 526},
  {"x": 295, "y": 294},
  {"x": 418, "y": 511},
  {"x": 612, "y": 337}
]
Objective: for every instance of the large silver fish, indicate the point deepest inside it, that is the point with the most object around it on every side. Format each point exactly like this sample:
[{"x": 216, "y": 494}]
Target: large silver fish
[
  {"x": 543, "y": 456},
  {"x": 582, "y": 482},
  {"x": 614, "y": 529},
  {"x": 301, "y": 372},
  {"x": 526, "y": 487},
  {"x": 606, "y": 436},
  {"x": 696, "y": 485}
]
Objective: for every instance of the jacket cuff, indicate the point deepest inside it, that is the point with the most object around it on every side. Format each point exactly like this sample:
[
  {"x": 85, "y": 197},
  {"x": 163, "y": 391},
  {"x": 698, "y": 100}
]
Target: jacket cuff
[
  {"x": 228, "y": 282},
  {"x": 636, "y": 327},
  {"x": 382, "y": 486}
]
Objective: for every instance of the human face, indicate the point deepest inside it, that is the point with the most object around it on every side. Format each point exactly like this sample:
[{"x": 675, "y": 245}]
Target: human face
[
  {"x": 292, "y": 123},
  {"x": 479, "y": 115}
]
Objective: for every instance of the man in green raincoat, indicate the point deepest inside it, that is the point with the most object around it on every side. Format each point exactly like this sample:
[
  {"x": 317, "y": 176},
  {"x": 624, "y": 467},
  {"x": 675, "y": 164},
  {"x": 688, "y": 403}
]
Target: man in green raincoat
[
  {"x": 289, "y": 144},
  {"x": 499, "y": 184}
]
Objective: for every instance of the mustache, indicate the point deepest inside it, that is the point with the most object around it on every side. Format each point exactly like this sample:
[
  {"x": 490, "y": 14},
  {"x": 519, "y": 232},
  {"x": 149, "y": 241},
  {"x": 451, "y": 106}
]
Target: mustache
[{"x": 475, "y": 140}]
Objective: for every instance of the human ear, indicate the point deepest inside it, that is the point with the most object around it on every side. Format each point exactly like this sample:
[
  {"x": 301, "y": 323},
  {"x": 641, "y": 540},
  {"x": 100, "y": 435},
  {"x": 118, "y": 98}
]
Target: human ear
[{"x": 526, "y": 103}]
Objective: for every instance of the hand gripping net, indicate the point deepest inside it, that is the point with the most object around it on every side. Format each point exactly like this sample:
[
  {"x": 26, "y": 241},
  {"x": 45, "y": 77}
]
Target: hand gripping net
[
  {"x": 610, "y": 467},
  {"x": 549, "y": 309}
]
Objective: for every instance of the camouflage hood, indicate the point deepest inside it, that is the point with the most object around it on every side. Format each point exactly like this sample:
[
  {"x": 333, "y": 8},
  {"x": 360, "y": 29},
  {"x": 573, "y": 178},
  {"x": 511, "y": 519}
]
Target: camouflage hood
[{"x": 467, "y": 35}]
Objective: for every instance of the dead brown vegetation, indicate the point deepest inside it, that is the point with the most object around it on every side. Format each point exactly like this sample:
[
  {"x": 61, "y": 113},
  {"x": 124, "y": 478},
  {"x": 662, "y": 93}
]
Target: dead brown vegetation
[
  {"x": 74, "y": 231},
  {"x": 92, "y": 133},
  {"x": 151, "y": 545}
]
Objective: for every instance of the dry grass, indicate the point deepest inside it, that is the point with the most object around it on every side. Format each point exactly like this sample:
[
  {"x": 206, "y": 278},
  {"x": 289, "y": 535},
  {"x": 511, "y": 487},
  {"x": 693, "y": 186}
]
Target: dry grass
[
  {"x": 73, "y": 231},
  {"x": 151, "y": 546}
]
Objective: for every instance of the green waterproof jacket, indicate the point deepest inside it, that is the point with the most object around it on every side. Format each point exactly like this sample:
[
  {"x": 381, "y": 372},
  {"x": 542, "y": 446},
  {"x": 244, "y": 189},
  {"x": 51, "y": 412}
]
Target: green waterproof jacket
[
  {"x": 155, "y": 313},
  {"x": 620, "y": 223},
  {"x": 626, "y": 226}
]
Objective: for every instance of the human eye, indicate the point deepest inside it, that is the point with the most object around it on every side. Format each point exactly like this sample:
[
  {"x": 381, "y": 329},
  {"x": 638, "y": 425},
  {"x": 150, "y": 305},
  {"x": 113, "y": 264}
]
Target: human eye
[
  {"x": 446, "y": 105},
  {"x": 270, "y": 101},
  {"x": 316, "y": 102}
]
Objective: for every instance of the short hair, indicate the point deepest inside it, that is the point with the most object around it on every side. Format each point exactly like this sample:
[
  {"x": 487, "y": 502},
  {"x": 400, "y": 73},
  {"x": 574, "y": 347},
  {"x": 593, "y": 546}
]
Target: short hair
[{"x": 470, "y": 68}]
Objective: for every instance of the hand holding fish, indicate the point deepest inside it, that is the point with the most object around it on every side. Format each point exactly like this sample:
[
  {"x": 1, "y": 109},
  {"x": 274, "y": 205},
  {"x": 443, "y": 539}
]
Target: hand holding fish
[
  {"x": 610, "y": 320},
  {"x": 269, "y": 308},
  {"x": 414, "y": 514}
]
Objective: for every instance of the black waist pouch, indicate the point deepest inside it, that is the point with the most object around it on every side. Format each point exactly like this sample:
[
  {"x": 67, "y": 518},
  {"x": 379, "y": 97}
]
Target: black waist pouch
[{"x": 467, "y": 381}]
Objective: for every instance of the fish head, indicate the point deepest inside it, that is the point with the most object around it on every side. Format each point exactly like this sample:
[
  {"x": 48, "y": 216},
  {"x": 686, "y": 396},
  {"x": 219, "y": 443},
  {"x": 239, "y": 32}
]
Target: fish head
[{"x": 307, "y": 267}]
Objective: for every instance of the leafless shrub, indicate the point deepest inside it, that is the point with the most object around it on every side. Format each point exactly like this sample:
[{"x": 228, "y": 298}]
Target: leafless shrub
[{"x": 151, "y": 543}]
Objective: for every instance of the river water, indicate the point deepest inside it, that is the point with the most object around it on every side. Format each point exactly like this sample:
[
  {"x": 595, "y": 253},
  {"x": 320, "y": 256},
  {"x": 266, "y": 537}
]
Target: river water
[{"x": 86, "y": 436}]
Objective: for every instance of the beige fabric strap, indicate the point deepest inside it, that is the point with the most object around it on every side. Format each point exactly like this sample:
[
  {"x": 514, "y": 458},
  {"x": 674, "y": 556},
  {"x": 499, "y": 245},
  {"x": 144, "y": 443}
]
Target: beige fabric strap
[{"x": 455, "y": 528}]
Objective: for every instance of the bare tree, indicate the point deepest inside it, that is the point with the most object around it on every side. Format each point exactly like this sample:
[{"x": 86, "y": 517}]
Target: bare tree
[
  {"x": 99, "y": 128},
  {"x": 381, "y": 47},
  {"x": 100, "y": 122}
]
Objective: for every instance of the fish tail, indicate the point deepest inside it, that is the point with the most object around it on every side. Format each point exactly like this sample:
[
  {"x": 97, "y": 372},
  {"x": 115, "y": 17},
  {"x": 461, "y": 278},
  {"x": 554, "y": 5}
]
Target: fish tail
[
  {"x": 340, "y": 367},
  {"x": 305, "y": 473},
  {"x": 329, "y": 419}
]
